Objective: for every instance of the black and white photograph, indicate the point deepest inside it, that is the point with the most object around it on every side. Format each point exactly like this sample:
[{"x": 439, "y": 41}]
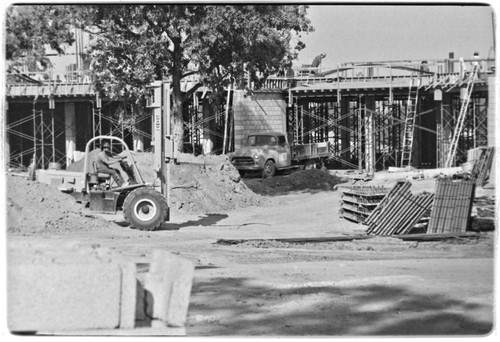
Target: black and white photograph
[{"x": 259, "y": 169}]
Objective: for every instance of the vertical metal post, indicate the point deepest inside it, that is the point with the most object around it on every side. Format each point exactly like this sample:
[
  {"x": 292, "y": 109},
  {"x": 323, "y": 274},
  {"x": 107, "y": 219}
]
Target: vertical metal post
[
  {"x": 360, "y": 137},
  {"x": 226, "y": 118},
  {"x": 34, "y": 134},
  {"x": 474, "y": 123},
  {"x": 42, "y": 126},
  {"x": 53, "y": 138},
  {"x": 165, "y": 166},
  {"x": 94, "y": 128}
]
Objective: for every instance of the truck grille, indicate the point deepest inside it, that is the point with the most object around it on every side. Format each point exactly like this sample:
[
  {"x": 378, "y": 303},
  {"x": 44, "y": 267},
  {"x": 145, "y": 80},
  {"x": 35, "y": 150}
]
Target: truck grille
[{"x": 242, "y": 161}]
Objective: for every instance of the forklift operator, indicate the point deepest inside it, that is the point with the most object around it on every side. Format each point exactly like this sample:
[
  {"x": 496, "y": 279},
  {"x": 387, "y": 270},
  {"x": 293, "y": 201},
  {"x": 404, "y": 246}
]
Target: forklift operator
[{"x": 104, "y": 159}]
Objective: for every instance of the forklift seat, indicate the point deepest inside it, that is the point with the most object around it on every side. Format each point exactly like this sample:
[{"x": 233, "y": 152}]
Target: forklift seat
[{"x": 96, "y": 177}]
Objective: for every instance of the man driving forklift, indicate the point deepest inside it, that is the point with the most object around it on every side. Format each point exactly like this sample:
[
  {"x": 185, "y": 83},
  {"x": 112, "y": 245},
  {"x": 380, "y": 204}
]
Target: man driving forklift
[{"x": 104, "y": 159}]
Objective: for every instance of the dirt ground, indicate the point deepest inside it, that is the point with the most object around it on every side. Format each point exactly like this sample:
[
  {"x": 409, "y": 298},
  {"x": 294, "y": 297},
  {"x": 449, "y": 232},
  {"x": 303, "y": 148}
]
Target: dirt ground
[{"x": 263, "y": 287}]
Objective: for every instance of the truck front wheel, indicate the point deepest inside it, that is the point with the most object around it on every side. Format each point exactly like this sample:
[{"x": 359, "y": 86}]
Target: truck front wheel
[
  {"x": 309, "y": 165},
  {"x": 269, "y": 169},
  {"x": 145, "y": 209}
]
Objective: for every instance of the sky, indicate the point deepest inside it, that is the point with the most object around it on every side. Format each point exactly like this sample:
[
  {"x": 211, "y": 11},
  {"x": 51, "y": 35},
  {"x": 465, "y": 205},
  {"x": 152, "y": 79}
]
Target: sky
[
  {"x": 376, "y": 32},
  {"x": 362, "y": 33}
]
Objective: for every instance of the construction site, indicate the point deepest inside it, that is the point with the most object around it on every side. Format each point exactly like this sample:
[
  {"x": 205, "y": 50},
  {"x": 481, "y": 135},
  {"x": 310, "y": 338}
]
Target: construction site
[
  {"x": 389, "y": 230},
  {"x": 376, "y": 115}
]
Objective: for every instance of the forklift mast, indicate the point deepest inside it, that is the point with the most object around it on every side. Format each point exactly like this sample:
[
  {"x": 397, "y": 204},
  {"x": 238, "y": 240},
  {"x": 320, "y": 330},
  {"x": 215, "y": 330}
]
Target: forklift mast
[{"x": 159, "y": 102}]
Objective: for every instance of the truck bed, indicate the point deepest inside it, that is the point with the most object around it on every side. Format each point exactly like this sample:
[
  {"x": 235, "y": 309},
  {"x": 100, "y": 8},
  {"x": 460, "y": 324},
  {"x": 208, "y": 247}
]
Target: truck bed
[{"x": 310, "y": 151}]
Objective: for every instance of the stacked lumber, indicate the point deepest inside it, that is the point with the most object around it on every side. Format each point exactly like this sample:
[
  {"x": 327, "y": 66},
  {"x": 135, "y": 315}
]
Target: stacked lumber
[
  {"x": 483, "y": 159},
  {"x": 399, "y": 211},
  {"x": 452, "y": 206},
  {"x": 357, "y": 202}
]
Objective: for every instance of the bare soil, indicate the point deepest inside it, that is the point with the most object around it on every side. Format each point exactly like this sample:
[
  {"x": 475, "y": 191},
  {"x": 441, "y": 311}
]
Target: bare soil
[{"x": 371, "y": 287}]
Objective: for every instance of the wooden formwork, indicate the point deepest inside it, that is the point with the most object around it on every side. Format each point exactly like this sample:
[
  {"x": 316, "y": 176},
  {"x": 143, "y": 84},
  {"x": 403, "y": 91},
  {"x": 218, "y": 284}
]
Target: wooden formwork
[
  {"x": 452, "y": 206},
  {"x": 483, "y": 159},
  {"x": 399, "y": 211}
]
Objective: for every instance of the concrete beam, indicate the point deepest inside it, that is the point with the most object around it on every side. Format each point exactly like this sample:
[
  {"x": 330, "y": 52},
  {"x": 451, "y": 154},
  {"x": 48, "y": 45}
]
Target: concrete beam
[{"x": 70, "y": 131}]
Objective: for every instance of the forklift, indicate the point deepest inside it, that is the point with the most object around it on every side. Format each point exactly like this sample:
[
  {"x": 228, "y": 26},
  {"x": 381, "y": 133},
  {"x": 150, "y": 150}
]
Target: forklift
[{"x": 143, "y": 207}]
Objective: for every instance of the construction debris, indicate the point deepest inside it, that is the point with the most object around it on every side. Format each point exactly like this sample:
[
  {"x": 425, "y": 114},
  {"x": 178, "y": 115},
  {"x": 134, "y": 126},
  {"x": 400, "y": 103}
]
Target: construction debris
[
  {"x": 452, "y": 206},
  {"x": 482, "y": 157},
  {"x": 359, "y": 201},
  {"x": 399, "y": 211}
]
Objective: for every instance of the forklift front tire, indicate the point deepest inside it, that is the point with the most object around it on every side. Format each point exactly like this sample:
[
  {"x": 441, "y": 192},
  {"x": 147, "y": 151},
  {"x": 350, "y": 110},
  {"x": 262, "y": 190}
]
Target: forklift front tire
[{"x": 145, "y": 209}]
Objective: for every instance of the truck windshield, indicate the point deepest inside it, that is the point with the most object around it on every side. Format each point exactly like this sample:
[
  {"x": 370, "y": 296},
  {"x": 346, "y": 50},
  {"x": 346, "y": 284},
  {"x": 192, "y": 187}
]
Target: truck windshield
[{"x": 260, "y": 140}]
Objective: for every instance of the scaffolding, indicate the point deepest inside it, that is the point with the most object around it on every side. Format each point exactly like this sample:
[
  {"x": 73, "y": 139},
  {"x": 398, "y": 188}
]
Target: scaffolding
[
  {"x": 422, "y": 128},
  {"x": 373, "y": 120},
  {"x": 203, "y": 124},
  {"x": 36, "y": 136}
]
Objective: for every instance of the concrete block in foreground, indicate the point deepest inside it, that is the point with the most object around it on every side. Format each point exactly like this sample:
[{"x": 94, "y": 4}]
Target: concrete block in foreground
[
  {"x": 128, "y": 296},
  {"x": 169, "y": 282},
  {"x": 63, "y": 297}
]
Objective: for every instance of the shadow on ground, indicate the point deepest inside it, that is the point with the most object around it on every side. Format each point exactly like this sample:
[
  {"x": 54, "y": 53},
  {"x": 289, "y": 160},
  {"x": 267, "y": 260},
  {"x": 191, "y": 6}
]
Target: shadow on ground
[
  {"x": 205, "y": 221},
  {"x": 241, "y": 309}
]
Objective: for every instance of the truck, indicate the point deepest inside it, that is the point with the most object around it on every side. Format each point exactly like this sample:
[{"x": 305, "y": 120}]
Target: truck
[{"x": 267, "y": 152}]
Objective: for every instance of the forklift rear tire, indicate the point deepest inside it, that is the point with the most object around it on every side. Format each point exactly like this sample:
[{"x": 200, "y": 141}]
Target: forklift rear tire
[
  {"x": 145, "y": 209},
  {"x": 269, "y": 169}
]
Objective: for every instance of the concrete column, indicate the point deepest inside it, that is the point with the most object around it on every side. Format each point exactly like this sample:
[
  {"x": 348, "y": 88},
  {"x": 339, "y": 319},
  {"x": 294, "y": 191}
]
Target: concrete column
[
  {"x": 345, "y": 135},
  {"x": 492, "y": 108},
  {"x": 369, "y": 136},
  {"x": 5, "y": 134},
  {"x": 138, "y": 142},
  {"x": 207, "y": 141},
  {"x": 138, "y": 138},
  {"x": 492, "y": 125},
  {"x": 70, "y": 131},
  {"x": 440, "y": 153}
]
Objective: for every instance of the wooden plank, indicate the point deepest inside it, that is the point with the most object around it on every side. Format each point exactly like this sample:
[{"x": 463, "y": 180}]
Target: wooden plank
[
  {"x": 423, "y": 203},
  {"x": 436, "y": 237},
  {"x": 392, "y": 216},
  {"x": 296, "y": 240},
  {"x": 379, "y": 218},
  {"x": 394, "y": 192}
]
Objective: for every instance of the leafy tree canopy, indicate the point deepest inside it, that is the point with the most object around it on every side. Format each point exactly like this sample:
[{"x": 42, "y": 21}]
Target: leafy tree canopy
[
  {"x": 136, "y": 44},
  {"x": 133, "y": 45},
  {"x": 30, "y": 29}
]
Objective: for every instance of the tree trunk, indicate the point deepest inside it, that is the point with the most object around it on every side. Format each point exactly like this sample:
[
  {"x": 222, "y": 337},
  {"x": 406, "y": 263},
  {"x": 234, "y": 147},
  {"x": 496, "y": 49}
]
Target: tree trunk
[{"x": 176, "y": 119}]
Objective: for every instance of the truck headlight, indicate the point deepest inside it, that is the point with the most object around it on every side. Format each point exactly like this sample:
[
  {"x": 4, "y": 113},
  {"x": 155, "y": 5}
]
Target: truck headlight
[{"x": 256, "y": 157}]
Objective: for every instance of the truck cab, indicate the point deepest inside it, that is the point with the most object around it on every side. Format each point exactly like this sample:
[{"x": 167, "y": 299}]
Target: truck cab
[{"x": 265, "y": 152}]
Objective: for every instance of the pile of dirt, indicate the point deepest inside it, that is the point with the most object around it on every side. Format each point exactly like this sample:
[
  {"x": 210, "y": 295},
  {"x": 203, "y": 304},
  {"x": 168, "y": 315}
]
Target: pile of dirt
[
  {"x": 37, "y": 208},
  {"x": 209, "y": 185},
  {"x": 199, "y": 184},
  {"x": 301, "y": 180}
]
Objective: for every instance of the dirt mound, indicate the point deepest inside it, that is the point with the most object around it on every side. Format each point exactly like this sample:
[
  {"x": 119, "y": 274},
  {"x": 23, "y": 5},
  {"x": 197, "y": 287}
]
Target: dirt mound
[
  {"x": 302, "y": 180},
  {"x": 199, "y": 185},
  {"x": 210, "y": 189},
  {"x": 37, "y": 208}
]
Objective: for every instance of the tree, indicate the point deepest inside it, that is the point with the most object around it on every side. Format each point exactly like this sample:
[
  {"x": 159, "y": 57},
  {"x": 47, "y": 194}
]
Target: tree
[
  {"x": 136, "y": 44},
  {"x": 133, "y": 45},
  {"x": 31, "y": 29}
]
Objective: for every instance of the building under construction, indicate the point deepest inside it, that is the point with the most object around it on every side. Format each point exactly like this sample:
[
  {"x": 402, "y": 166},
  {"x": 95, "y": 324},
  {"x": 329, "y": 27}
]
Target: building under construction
[{"x": 375, "y": 115}]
